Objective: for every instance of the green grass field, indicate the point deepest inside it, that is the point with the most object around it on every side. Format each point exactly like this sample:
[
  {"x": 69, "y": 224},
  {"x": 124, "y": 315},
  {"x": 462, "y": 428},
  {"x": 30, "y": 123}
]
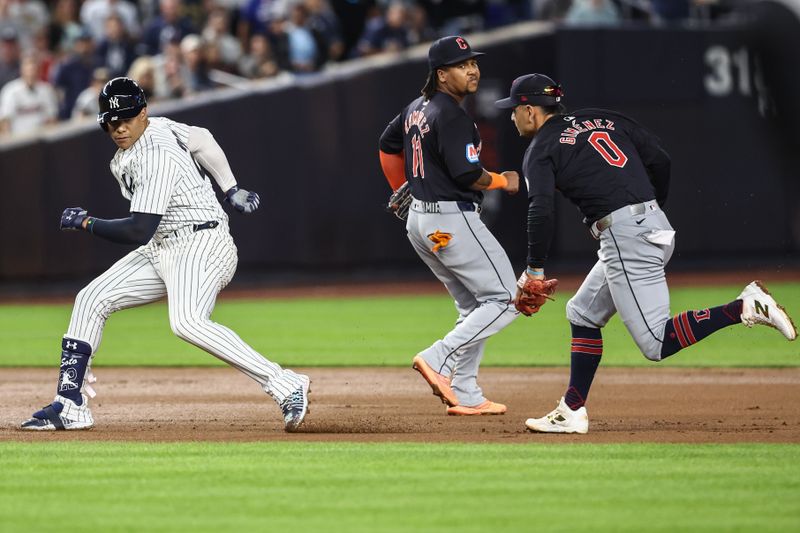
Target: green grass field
[
  {"x": 274, "y": 486},
  {"x": 398, "y": 487},
  {"x": 380, "y": 332}
]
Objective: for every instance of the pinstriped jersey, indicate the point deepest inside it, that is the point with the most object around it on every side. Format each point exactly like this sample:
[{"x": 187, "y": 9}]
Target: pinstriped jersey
[{"x": 160, "y": 176}]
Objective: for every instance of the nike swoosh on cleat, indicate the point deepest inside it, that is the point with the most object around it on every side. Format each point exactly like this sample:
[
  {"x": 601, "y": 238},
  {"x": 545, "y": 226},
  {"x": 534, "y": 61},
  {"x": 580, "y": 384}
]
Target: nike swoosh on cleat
[{"x": 640, "y": 221}]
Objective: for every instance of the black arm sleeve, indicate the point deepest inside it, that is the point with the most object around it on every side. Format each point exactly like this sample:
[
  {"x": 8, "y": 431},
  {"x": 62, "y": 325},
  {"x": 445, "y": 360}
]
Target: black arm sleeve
[
  {"x": 138, "y": 228},
  {"x": 541, "y": 223},
  {"x": 541, "y": 212},
  {"x": 392, "y": 137}
]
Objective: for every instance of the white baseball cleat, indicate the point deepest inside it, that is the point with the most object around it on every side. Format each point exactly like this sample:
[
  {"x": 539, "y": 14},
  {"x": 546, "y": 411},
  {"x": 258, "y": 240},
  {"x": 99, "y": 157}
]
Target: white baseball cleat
[
  {"x": 759, "y": 307},
  {"x": 62, "y": 414},
  {"x": 562, "y": 419},
  {"x": 295, "y": 406}
]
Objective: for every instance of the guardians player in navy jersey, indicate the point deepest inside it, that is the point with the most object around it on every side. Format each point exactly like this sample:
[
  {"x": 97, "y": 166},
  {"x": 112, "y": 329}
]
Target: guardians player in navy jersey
[
  {"x": 617, "y": 174},
  {"x": 434, "y": 145}
]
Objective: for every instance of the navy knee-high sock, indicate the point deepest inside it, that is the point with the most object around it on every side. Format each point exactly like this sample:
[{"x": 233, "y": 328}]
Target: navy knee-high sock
[
  {"x": 690, "y": 327},
  {"x": 587, "y": 349},
  {"x": 75, "y": 356}
]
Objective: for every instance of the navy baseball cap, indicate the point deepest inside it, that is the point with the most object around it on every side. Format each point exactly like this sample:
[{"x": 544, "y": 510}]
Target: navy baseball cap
[
  {"x": 532, "y": 89},
  {"x": 450, "y": 51}
]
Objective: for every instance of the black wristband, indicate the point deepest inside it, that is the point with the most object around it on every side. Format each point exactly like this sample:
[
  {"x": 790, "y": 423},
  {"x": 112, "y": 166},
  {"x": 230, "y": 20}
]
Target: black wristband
[{"x": 90, "y": 224}]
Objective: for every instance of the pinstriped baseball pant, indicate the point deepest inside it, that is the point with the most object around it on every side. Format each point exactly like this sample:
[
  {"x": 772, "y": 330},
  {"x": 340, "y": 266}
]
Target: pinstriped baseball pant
[{"x": 190, "y": 270}]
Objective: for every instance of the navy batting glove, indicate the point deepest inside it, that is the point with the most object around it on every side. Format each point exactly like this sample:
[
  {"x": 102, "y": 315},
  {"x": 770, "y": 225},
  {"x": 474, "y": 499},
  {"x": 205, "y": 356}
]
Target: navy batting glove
[
  {"x": 72, "y": 218},
  {"x": 242, "y": 200}
]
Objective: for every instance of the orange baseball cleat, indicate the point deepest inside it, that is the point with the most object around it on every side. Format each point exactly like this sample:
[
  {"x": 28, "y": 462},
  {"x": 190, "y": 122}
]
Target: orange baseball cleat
[
  {"x": 486, "y": 408},
  {"x": 439, "y": 383}
]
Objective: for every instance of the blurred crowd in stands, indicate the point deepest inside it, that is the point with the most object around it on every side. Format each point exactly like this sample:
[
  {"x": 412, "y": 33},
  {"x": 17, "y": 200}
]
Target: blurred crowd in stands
[{"x": 55, "y": 55}]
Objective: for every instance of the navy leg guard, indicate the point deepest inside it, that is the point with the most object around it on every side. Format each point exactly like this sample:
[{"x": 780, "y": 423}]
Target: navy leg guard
[{"x": 75, "y": 357}]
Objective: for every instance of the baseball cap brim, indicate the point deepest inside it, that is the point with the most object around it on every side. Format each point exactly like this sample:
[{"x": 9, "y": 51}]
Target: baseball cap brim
[
  {"x": 104, "y": 117},
  {"x": 460, "y": 59},
  {"x": 506, "y": 103}
]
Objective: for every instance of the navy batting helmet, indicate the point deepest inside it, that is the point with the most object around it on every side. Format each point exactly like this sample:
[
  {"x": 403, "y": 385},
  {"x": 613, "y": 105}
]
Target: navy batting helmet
[{"x": 120, "y": 98}]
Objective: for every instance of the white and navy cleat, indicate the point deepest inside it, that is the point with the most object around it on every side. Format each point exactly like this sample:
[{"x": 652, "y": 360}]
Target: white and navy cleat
[
  {"x": 295, "y": 406},
  {"x": 62, "y": 414},
  {"x": 562, "y": 419}
]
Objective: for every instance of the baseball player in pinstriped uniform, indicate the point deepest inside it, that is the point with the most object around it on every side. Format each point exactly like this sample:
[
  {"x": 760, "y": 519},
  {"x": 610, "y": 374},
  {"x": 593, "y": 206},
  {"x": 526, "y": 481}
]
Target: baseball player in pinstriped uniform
[
  {"x": 187, "y": 254},
  {"x": 618, "y": 175},
  {"x": 436, "y": 146}
]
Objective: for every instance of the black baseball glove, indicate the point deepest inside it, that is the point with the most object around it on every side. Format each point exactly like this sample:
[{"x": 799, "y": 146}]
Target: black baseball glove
[{"x": 400, "y": 201}]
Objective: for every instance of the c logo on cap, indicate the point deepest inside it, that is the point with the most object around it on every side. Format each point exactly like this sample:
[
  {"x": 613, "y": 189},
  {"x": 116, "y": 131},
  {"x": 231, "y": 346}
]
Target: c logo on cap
[{"x": 461, "y": 43}]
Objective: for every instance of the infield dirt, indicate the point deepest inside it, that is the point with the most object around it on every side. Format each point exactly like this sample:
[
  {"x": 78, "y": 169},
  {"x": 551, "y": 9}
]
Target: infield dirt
[{"x": 654, "y": 404}]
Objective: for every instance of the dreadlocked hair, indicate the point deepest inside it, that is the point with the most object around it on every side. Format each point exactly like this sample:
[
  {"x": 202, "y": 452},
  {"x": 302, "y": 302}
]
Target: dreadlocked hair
[{"x": 430, "y": 85}]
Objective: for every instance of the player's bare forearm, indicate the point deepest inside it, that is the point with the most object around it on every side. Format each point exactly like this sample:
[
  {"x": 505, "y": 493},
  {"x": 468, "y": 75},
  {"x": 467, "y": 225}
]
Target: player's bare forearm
[
  {"x": 482, "y": 183},
  {"x": 507, "y": 181}
]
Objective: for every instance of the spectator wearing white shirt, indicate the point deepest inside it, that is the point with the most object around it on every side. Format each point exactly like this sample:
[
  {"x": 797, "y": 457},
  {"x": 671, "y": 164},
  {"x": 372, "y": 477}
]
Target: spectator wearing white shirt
[{"x": 27, "y": 104}]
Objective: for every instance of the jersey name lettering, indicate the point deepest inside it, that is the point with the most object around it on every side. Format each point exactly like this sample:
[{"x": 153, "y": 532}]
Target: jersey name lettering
[
  {"x": 569, "y": 134},
  {"x": 418, "y": 119}
]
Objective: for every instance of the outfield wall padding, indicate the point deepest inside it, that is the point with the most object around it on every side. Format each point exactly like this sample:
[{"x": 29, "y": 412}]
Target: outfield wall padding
[{"x": 310, "y": 149}]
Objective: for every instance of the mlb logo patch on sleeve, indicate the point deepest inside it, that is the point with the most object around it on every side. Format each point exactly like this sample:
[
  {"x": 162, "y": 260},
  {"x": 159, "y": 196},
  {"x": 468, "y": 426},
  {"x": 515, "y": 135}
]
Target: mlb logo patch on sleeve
[{"x": 472, "y": 153}]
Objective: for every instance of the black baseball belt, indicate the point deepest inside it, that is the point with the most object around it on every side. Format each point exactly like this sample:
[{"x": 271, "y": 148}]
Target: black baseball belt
[
  {"x": 194, "y": 228},
  {"x": 211, "y": 224}
]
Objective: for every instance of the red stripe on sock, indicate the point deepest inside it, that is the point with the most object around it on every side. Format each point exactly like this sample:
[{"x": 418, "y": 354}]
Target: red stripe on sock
[
  {"x": 587, "y": 341},
  {"x": 587, "y": 349},
  {"x": 677, "y": 327},
  {"x": 687, "y": 328},
  {"x": 581, "y": 345}
]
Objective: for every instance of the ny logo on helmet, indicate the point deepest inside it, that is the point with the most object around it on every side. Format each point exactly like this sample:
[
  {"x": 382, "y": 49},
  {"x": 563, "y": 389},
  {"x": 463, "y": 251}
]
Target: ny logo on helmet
[{"x": 113, "y": 102}]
